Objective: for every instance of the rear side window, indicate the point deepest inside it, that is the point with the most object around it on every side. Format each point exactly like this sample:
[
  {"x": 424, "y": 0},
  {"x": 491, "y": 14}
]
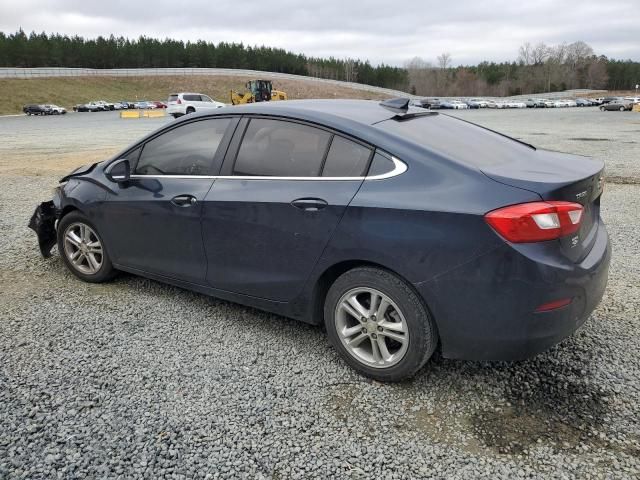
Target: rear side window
[
  {"x": 380, "y": 165},
  {"x": 346, "y": 159},
  {"x": 185, "y": 150},
  {"x": 192, "y": 98},
  {"x": 275, "y": 148}
]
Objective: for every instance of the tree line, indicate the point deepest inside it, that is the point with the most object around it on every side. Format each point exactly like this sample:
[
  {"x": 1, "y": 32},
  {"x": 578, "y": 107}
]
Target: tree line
[
  {"x": 41, "y": 50},
  {"x": 539, "y": 68}
]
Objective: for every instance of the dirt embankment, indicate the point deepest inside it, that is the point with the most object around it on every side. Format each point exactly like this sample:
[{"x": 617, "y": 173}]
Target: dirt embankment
[{"x": 66, "y": 92}]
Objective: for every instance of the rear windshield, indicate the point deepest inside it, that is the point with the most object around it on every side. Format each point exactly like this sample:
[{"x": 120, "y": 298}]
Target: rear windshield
[
  {"x": 454, "y": 138},
  {"x": 173, "y": 98}
]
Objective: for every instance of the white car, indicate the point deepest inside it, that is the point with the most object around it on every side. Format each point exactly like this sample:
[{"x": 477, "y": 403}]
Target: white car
[
  {"x": 458, "y": 105},
  {"x": 516, "y": 104},
  {"x": 180, "y": 104},
  {"x": 633, "y": 99},
  {"x": 56, "y": 110},
  {"x": 144, "y": 105}
]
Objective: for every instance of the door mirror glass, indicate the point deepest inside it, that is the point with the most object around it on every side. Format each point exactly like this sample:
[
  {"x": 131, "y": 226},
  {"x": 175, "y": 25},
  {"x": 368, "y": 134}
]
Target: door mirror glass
[{"x": 119, "y": 171}]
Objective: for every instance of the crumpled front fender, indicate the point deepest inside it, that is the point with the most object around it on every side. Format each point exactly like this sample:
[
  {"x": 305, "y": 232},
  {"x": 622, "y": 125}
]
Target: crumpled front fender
[{"x": 43, "y": 222}]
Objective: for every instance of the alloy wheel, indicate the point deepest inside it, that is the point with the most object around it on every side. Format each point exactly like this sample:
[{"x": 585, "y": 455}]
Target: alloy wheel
[
  {"x": 82, "y": 248},
  {"x": 371, "y": 327}
]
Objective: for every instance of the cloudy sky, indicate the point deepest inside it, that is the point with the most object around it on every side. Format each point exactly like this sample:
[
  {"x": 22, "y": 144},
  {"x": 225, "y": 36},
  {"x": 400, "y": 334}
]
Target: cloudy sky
[{"x": 381, "y": 31}]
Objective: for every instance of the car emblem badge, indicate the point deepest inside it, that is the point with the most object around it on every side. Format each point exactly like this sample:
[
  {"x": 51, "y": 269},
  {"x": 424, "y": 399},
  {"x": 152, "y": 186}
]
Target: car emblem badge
[
  {"x": 574, "y": 241},
  {"x": 581, "y": 195}
]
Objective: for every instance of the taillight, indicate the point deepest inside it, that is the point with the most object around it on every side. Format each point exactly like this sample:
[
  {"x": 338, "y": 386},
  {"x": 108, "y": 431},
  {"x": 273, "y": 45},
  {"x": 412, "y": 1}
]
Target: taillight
[
  {"x": 536, "y": 221},
  {"x": 179, "y": 102}
]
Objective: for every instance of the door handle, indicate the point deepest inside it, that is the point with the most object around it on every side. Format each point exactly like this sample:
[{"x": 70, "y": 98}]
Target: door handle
[
  {"x": 309, "y": 204},
  {"x": 184, "y": 200}
]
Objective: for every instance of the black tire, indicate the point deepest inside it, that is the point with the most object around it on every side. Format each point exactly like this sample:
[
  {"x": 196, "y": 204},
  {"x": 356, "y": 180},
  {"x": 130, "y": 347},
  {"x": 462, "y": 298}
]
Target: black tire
[
  {"x": 190, "y": 110},
  {"x": 422, "y": 333},
  {"x": 602, "y": 109},
  {"x": 622, "y": 109},
  {"x": 106, "y": 271}
]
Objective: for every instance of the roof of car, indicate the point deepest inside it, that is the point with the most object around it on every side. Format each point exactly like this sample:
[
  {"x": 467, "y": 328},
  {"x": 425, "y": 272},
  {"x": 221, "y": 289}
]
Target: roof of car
[{"x": 365, "y": 112}]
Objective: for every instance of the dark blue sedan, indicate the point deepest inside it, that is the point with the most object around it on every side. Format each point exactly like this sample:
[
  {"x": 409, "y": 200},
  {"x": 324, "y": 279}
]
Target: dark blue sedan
[{"x": 397, "y": 228}]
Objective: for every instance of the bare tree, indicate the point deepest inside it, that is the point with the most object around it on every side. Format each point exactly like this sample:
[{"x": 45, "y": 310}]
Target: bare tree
[
  {"x": 421, "y": 76},
  {"x": 444, "y": 60},
  {"x": 525, "y": 54},
  {"x": 539, "y": 54}
]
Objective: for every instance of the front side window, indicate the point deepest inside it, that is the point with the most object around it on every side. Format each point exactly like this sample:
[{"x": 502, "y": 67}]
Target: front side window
[
  {"x": 346, "y": 159},
  {"x": 186, "y": 150},
  {"x": 275, "y": 148}
]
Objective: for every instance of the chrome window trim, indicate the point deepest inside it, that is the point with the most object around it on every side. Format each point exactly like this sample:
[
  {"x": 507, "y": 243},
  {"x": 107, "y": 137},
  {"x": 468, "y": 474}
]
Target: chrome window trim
[{"x": 399, "y": 168}]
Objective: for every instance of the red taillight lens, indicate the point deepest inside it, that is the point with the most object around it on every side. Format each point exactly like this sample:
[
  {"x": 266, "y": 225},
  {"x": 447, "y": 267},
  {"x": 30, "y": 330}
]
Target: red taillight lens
[
  {"x": 547, "y": 307},
  {"x": 179, "y": 102},
  {"x": 536, "y": 221}
]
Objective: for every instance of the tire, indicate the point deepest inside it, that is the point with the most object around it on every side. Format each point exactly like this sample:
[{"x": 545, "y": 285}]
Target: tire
[
  {"x": 405, "y": 318},
  {"x": 602, "y": 109},
  {"x": 622, "y": 109},
  {"x": 75, "y": 222},
  {"x": 190, "y": 110}
]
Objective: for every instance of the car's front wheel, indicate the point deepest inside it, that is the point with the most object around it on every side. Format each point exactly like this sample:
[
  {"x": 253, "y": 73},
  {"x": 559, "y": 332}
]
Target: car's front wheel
[
  {"x": 82, "y": 249},
  {"x": 378, "y": 324}
]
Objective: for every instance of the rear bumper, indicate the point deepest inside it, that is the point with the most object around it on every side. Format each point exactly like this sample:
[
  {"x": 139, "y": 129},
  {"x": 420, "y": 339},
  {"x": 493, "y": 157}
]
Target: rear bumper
[
  {"x": 176, "y": 109},
  {"x": 485, "y": 310}
]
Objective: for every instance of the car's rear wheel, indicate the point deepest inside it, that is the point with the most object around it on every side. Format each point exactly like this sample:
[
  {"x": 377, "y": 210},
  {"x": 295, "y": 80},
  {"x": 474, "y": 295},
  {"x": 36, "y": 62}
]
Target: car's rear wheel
[
  {"x": 602, "y": 109},
  {"x": 82, "y": 249},
  {"x": 378, "y": 324},
  {"x": 190, "y": 110},
  {"x": 622, "y": 109}
]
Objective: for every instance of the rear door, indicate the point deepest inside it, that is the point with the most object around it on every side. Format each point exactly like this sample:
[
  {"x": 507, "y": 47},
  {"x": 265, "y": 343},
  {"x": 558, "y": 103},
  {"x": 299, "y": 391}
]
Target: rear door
[
  {"x": 152, "y": 222},
  {"x": 268, "y": 219}
]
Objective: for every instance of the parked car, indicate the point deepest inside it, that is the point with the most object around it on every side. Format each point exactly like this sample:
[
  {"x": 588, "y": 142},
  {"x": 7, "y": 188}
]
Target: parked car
[
  {"x": 596, "y": 101},
  {"x": 516, "y": 104},
  {"x": 478, "y": 103},
  {"x": 144, "y": 105},
  {"x": 606, "y": 100},
  {"x": 459, "y": 105},
  {"x": 180, "y": 104},
  {"x": 423, "y": 102},
  {"x": 371, "y": 218},
  {"x": 55, "y": 110},
  {"x": 492, "y": 104},
  {"x": 89, "y": 107},
  {"x": 160, "y": 104},
  {"x": 632, "y": 99},
  {"x": 33, "y": 109},
  {"x": 621, "y": 105},
  {"x": 535, "y": 103},
  {"x": 128, "y": 104},
  {"x": 583, "y": 102}
]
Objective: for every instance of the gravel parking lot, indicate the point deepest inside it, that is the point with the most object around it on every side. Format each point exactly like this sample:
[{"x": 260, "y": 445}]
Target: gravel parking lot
[{"x": 136, "y": 379}]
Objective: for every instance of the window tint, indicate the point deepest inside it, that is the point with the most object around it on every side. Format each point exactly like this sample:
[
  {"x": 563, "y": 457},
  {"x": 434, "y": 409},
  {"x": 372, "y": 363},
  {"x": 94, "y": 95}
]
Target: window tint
[
  {"x": 185, "y": 150},
  {"x": 346, "y": 159},
  {"x": 192, "y": 98},
  {"x": 281, "y": 149},
  {"x": 380, "y": 165},
  {"x": 173, "y": 98}
]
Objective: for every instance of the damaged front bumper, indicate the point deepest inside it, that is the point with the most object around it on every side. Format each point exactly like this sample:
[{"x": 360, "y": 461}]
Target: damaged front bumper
[{"x": 43, "y": 222}]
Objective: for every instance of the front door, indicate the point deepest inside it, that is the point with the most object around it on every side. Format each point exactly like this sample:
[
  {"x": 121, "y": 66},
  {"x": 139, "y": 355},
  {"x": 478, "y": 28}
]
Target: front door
[{"x": 152, "y": 223}]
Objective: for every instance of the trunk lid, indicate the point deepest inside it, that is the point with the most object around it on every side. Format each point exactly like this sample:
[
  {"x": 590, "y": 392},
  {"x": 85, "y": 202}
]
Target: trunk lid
[{"x": 559, "y": 176}]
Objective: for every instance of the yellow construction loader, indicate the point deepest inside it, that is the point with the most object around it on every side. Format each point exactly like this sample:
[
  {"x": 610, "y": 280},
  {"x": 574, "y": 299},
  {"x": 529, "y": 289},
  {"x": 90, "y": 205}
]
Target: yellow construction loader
[{"x": 259, "y": 91}]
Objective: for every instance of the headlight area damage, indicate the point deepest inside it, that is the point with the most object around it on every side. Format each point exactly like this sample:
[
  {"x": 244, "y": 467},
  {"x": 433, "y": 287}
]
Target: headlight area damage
[{"x": 43, "y": 222}]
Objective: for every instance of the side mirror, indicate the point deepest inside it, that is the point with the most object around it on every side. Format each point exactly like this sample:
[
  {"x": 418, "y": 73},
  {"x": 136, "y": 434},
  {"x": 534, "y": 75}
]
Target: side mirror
[{"x": 119, "y": 171}]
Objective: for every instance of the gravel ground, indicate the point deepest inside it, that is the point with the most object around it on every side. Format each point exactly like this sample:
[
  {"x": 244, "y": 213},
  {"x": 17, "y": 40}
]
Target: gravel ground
[{"x": 135, "y": 379}]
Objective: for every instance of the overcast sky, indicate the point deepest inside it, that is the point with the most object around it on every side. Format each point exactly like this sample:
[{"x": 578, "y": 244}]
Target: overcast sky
[{"x": 381, "y": 31}]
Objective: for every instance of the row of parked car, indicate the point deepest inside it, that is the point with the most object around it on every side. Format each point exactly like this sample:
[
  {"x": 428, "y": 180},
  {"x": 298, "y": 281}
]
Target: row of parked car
[
  {"x": 605, "y": 103},
  {"x": 39, "y": 109},
  {"x": 102, "y": 106}
]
